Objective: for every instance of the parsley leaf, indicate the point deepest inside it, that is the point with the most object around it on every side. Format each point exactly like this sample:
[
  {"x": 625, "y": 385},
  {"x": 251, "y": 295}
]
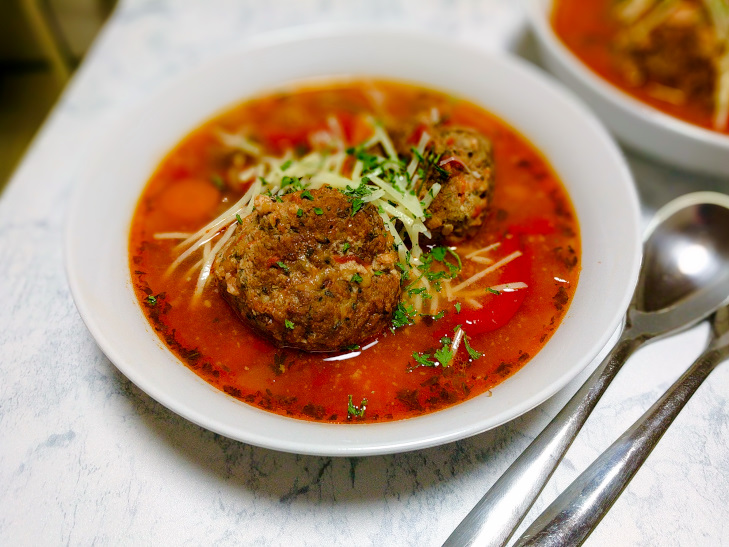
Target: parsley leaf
[
  {"x": 444, "y": 355},
  {"x": 151, "y": 300},
  {"x": 471, "y": 352},
  {"x": 439, "y": 253},
  {"x": 354, "y": 411},
  {"x": 289, "y": 324},
  {"x": 300, "y": 213},
  {"x": 238, "y": 219},
  {"x": 424, "y": 359},
  {"x": 306, "y": 195},
  {"x": 356, "y": 278},
  {"x": 403, "y": 315},
  {"x": 318, "y": 211},
  {"x": 283, "y": 266}
]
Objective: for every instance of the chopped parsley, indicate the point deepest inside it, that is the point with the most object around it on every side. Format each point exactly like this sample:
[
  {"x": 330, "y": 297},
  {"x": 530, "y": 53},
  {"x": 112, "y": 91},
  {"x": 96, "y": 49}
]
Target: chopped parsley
[
  {"x": 493, "y": 291},
  {"x": 300, "y": 213},
  {"x": 294, "y": 182},
  {"x": 356, "y": 278},
  {"x": 283, "y": 266},
  {"x": 285, "y": 165},
  {"x": 423, "y": 359},
  {"x": 289, "y": 324},
  {"x": 435, "y": 317},
  {"x": 306, "y": 195},
  {"x": 151, "y": 300},
  {"x": 238, "y": 219},
  {"x": 471, "y": 352},
  {"x": 318, "y": 210},
  {"x": 353, "y": 347},
  {"x": 457, "y": 305},
  {"x": 355, "y": 195},
  {"x": 356, "y": 411},
  {"x": 444, "y": 355},
  {"x": 345, "y": 247},
  {"x": 357, "y": 204},
  {"x": 403, "y": 315},
  {"x": 378, "y": 272}
]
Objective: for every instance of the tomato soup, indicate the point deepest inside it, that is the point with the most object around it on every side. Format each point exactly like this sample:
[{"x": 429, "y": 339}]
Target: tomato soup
[
  {"x": 591, "y": 30},
  {"x": 401, "y": 373}
]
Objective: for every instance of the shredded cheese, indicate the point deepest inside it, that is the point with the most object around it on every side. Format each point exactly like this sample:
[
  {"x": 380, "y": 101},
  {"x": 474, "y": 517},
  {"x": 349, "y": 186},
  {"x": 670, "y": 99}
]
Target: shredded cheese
[{"x": 475, "y": 277}]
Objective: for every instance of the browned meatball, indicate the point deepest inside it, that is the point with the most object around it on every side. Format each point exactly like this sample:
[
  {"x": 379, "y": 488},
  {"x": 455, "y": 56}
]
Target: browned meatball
[
  {"x": 675, "y": 59},
  {"x": 465, "y": 172},
  {"x": 308, "y": 274}
]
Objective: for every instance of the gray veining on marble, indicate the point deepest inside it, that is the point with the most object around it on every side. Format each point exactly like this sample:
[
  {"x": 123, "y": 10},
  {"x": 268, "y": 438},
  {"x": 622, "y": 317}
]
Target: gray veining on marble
[{"x": 87, "y": 458}]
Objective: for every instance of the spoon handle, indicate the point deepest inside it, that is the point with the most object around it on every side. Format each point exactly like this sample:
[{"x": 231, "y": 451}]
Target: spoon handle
[
  {"x": 495, "y": 517},
  {"x": 571, "y": 518}
]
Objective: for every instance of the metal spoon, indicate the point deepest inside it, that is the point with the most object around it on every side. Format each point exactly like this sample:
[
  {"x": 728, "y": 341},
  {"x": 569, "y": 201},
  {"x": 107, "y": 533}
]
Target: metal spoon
[
  {"x": 580, "y": 508},
  {"x": 683, "y": 279}
]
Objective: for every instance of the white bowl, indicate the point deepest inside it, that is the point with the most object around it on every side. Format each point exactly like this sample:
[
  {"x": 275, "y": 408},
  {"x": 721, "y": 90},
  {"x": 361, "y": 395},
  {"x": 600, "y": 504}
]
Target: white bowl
[
  {"x": 636, "y": 124},
  {"x": 579, "y": 149}
]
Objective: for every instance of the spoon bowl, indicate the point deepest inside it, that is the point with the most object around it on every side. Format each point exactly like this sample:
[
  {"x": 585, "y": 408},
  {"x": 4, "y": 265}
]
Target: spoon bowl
[
  {"x": 686, "y": 255},
  {"x": 684, "y": 278}
]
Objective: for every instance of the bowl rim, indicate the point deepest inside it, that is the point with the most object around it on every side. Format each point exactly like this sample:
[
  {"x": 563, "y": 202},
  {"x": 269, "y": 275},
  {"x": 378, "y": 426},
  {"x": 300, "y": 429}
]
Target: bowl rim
[
  {"x": 88, "y": 305},
  {"x": 539, "y": 15}
]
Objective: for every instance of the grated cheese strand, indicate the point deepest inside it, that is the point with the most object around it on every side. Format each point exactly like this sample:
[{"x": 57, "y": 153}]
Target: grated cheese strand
[
  {"x": 202, "y": 279},
  {"x": 484, "y": 249},
  {"x": 475, "y": 277}
]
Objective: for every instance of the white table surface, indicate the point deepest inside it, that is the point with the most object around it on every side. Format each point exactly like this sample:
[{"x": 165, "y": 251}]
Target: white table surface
[{"x": 87, "y": 458}]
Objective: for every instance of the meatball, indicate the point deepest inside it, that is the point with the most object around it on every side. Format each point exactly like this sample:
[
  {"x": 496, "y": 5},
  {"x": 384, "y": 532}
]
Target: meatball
[
  {"x": 465, "y": 172},
  {"x": 307, "y": 273},
  {"x": 678, "y": 55}
]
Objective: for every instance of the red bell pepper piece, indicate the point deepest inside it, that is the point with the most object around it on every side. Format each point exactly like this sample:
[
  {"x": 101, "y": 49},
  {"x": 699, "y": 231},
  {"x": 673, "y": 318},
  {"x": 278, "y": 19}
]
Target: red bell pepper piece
[{"x": 498, "y": 309}]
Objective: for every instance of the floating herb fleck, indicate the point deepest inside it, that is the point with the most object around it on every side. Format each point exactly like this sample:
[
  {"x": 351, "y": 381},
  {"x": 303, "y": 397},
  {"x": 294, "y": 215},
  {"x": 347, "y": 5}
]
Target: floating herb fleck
[{"x": 356, "y": 411}]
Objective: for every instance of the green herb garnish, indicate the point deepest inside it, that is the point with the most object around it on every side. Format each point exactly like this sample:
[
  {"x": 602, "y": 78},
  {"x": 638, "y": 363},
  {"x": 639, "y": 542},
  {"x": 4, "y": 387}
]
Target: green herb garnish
[
  {"x": 424, "y": 359},
  {"x": 354, "y": 411},
  {"x": 403, "y": 315},
  {"x": 444, "y": 355},
  {"x": 471, "y": 352}
]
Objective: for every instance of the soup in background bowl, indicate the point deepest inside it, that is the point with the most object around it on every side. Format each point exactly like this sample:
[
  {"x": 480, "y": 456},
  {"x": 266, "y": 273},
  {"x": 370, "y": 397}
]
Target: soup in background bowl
[
  {"x": 657, "y": 75},
  {"x": 500, "y": 96}
]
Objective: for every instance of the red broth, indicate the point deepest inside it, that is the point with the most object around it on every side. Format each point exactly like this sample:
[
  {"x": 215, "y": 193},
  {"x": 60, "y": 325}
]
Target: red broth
[
  {"x": 530, "y": 211},
  {"x": 588, "y": 29}
]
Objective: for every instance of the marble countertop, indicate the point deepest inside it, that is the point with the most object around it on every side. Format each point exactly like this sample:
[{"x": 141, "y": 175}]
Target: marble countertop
[{"x": 87, "y": 458}]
